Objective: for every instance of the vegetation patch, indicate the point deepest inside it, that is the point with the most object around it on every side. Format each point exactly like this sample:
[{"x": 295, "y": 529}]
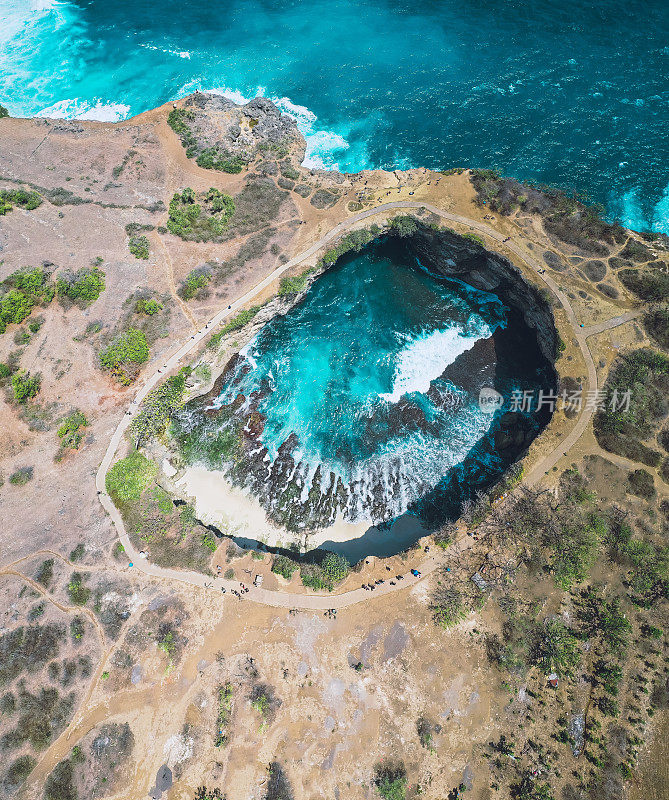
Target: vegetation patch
[
  {"x": 139, "y": 246},
  {"x": 20, "y": 292},
  {"x": 195, "y": 285},
  {"x": 41, "y": 717},
  {"x": 82, "y": 287},
  {"x": 200, "y": 218},
  {"x": 130, "y": 477},
  {"x": 566, "y": 217},
  {"x": 284, "y": 566},
  {"x": 21, "y": 198},
  {"x": 71, "y": 432},
  {"x": 256, "y": 206},
  {"x": 25, "y": 386},
  {"x": 77, "y": 591},
  {"x": 125, "y": 354},
  {"x": 656, "y": 324},
  {"x": 220, "y": 159},
  {"x": 647, "y": 283},
  {"x": 620, "y": 429},
  {"x": 224, "y": 696},
  {"x": 391, "y": 780},
  {"x": 239, "y": 321},
  {"x": 355, "y": 241},
  {"x": 147, "y": 307},
  {"x": 159, "y": 407},
  {"x": 21, "y": 476},
  {"x": 28, "y": 648}
]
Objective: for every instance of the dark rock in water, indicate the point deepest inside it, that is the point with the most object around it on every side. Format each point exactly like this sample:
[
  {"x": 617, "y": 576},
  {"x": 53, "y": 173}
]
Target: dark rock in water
[
  {"x": 405, "y": 417},
  {"x": 516, "y": 430},
  {"x": 474, "y": 368}
]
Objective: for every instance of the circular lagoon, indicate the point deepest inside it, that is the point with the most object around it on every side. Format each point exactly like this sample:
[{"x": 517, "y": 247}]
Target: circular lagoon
[{"x": 362, "y": 402}]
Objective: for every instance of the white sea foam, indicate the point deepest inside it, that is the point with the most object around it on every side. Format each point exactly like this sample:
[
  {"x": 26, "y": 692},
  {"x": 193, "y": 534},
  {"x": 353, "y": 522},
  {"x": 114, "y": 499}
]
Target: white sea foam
[
  {"x": 660, "y": 220},
  {"x": 426, "y": 357},
  {"x": 82, "y": 109},
  {"x": 179, "y": 53}
]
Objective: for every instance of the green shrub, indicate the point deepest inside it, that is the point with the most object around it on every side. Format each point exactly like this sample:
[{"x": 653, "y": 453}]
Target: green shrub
[
  {"x": 292, "y": 286},
  {"x": 22, "y": 766},
  {"x": 78, "y": 593},
  {"x": 45, "y": 573},
  {"x": 60, "y": 783},
  {"x": 656, "y": 323},
  {"x": 178, "y": 120},
  {"x": 70, "y": 430},
  {"x": 21, "y": 198},
  {"x": 474, "y": 238},
  {"x": 404, "y": 225},
  {"x": 284, "y": 566},
  {"x": 23, "y": 290},
  {"x": 354, "y": 242},
  {"x": 647, "y": 283},
  {"x": 139, "y": 246},
  {"x": 78, "y": 553},
  {"x": 129, "y": 477},
  {"x": 555, "y": 649},
  {"x": 27, "y": 649},
  {"x": 336, "y": 567},
  {"x": 158, "y": 408},
  {"x": 3, "y": 112},
  {"x": 124, "y": 355},
  {"x": 641, "y": 483},
  {"x": 449, "y": 608},
  {"x": 240, "y": 320},
  {"x": 313, "y": 576},
  {"x": 25, "y": 386},
  {"x": 644, "y": 373},
  {"x": 199, "y": 218},
  {"x": 148, "y": 307},
  {"x": 196, "y": 281},
  {"x": 288, "y": 170},
  {"x": 221, "y": 160},
  {"x": 391, "y": 780},
  {"x": 82, "y": 287}
]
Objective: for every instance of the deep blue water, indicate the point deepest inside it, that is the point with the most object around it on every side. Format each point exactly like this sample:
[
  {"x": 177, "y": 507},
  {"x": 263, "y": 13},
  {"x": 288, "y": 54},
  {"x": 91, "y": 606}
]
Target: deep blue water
[{"x": 569, "y": 93}]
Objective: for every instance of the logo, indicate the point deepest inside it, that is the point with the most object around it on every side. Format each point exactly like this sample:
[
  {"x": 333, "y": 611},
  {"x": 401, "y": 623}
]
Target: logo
[{"x": 490, "y": 400}]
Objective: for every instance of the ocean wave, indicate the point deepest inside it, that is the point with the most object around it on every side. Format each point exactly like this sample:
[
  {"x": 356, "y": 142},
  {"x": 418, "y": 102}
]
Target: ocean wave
[
  {"x": 426, "y": 357},
  {"x": 76, "y": 108}
]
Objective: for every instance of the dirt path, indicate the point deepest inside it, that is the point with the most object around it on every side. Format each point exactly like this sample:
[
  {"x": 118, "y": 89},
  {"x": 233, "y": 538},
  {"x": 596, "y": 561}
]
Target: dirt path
[{"x": 320, "y": 602}]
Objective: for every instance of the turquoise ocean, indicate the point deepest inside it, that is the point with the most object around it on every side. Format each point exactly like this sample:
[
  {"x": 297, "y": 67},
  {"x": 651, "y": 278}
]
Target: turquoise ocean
[{"x": 567, "y": 93}]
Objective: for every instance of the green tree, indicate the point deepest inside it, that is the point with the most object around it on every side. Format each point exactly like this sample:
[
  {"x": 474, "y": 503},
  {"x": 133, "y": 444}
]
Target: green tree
[
  {"x": 336, "y": 567},
  {"x": 25, "y": 386}
]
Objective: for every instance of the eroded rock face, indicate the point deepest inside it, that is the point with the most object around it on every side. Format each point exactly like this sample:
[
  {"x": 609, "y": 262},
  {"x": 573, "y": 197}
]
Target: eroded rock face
[
  {"x": 457, "y": 257},
  {"x": 246, "y": 130}
]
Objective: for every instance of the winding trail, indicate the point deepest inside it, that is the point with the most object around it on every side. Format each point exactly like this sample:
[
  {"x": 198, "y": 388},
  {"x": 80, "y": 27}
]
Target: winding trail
[{"x": 322, "y": 602}]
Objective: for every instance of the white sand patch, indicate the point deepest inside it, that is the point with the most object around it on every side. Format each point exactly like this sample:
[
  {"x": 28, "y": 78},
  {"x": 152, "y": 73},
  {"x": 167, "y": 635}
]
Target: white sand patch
[
  {"x": 178, "y": 749},
  {"x": 236, "y": 513}
]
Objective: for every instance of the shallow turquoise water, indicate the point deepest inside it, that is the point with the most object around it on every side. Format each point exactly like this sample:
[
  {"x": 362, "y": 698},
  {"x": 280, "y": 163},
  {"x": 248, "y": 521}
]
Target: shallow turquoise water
[{"x": 567, "y": 93}]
